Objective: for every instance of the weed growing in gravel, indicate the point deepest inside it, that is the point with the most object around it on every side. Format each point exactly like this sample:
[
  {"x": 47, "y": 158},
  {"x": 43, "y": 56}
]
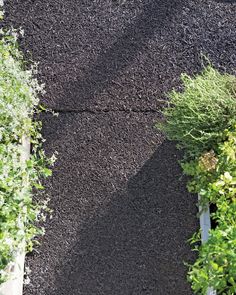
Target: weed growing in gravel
[
  {"x": 202, "y": 120},
  {"x": 19, "y": 92}
]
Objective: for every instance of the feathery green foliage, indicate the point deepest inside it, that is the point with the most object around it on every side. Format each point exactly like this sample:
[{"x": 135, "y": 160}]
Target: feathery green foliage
[
  {"x": 202, "y": 119},
  {"x": 197, "y": 116}
]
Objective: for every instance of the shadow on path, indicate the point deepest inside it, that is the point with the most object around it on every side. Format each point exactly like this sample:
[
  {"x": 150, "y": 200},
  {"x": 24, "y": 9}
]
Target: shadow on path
[
  {"x": 155, "y": 15},
  {"x": 138, "y": 245},
  {"x": 226, "y": 1}
]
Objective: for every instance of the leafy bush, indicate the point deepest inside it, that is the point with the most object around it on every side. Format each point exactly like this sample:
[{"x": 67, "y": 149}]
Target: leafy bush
[
  {"x": 215, "y": 181},
  {"x": 197, "y": 116},
  {"x": 19, "y": 92},
  {"x": 202, "y": 119},
  {"x": 214, "y": 173},
  {"x": 216, "y": 264}
]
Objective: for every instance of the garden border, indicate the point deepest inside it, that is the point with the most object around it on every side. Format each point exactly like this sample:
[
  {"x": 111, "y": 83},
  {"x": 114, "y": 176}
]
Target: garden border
[
  {"x": 205, "y": 225},
  {"x": 14, "y": 286}
]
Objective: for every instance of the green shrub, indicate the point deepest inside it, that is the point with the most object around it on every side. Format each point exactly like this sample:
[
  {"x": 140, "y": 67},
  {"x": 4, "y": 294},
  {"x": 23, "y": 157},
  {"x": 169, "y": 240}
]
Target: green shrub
[
  {"x": 197, "y": 116},
  {"x": 216, "y": 263},
  {"x": 214, "y": 173},
  {"x": 202, "y": 120},
  {"x": 19, "y": 92},
  {"x": 214, "y": 179}
]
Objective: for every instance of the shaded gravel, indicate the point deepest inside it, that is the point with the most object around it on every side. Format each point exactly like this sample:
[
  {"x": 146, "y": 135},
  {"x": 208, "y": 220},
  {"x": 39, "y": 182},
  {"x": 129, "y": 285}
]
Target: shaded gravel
[
  {"x": 122, "y": 54},
  {"x": 122, "y": 213}
]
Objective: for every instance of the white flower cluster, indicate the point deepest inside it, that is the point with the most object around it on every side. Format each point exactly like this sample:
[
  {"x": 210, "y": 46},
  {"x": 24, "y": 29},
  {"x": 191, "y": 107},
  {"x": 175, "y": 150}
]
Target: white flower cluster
[
  {"x": 1, "y": 10},
  {"x": 19, "y": 96}
]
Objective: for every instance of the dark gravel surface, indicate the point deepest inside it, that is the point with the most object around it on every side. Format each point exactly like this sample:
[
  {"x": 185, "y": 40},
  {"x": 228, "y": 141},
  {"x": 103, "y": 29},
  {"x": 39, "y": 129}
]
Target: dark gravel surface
[
  {"x": 122, "y": 54},
  {"x": 122, "y": 214}
]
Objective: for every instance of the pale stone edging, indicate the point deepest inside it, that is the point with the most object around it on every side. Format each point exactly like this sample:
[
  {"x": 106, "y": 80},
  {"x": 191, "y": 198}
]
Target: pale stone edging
[
  {"x": 205, "y": 225},
  {"x": 14, "y": 286}
]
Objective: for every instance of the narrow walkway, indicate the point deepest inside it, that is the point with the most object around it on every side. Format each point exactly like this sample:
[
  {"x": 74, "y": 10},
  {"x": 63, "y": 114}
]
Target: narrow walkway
[{"x": 122, "y": 214}]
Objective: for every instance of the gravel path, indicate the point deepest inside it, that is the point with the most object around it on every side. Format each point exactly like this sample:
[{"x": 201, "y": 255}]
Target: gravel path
[{"x": 122, "y": 214}]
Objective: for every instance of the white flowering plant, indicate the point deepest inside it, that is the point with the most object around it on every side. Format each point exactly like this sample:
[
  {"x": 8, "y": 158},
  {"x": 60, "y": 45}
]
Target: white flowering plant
[
  {"x": 19, "y": 211},
  {"x": 1, "y": 9}
]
